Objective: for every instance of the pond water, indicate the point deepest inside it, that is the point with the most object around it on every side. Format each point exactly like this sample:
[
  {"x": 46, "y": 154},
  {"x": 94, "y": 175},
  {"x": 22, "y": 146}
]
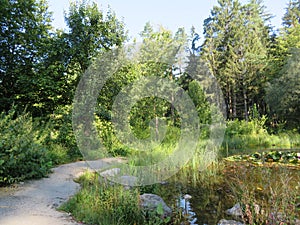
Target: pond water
[
  {"x": 209, "y": 197},
  {"x": 206, "y": 205}
]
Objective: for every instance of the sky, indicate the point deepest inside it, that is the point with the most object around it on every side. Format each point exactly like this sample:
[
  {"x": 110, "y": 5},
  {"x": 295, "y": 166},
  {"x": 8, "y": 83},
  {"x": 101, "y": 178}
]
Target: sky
[{"x": 170, "y": 14}]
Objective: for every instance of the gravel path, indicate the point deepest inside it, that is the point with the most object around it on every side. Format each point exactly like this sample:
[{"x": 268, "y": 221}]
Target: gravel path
[{"x": 35, "y": 202}]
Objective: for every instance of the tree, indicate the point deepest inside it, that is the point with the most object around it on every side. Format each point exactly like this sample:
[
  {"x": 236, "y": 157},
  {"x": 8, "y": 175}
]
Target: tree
[
  {"x": 161, "y": 53},
  {"x": 25, "y": 27},
  {"x": 192, "y": 61},
  {"x": 289, "y": 37},
  {"x": 40, "y": 68},
  {"x": 235, "y": 49},
  {"x": 282, "y": 89},
  {"x": 91, "y": 32},
  {"x": 156, "y": 57},
  {"x": 292, "y": 16},
  {"x": 283, "y": 93}
]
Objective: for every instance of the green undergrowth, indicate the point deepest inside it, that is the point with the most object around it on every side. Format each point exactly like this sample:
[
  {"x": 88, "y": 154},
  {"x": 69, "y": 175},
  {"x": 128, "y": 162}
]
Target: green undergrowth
[
  {"x": 30, "y": 147},
  {"x": 246, "y": 137},
  {"x": 103, "y": 203}
]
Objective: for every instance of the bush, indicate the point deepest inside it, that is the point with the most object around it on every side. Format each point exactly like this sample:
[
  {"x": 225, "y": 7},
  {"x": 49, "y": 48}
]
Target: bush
[
  {"x": 61, "y": 136},
  {"x": 242, "y": 136},
  {"x": 22, "y": 154}
]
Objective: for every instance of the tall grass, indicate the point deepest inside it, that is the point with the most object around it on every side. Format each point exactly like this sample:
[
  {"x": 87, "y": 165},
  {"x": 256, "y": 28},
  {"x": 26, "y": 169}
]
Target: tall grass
[{"x": 267, "y": 195}]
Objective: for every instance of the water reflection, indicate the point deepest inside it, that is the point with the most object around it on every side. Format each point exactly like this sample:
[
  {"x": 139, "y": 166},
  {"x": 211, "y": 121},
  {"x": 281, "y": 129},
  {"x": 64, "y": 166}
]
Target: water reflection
[{"x": 185, "y": 205}]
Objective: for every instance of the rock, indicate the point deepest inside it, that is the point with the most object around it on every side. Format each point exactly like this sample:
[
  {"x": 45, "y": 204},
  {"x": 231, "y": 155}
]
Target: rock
[
  {"x": 150, "y": 202},
  {"x": 256, "y": 209},
  {"x": 229, "y": 222},
  {"x": 187, "y": 197},
  {"x": 128, "y": 181},
  {"x": 235, "y": 211},
  {"x": 110, "y": 173}
]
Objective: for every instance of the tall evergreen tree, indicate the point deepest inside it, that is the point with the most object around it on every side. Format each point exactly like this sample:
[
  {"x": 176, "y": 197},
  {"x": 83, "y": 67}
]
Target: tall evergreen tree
[
  {"x": 235, "y": 49},
  {"x": 289, "y": 37},
  {"x": 283, "y": 90},
  {"x": 283, "y": 93},
  {"x": 292, "y": 16}
]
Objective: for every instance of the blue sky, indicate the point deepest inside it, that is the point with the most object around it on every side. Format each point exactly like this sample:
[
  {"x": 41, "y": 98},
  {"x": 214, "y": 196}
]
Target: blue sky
[{"x": 170, "y": 14}]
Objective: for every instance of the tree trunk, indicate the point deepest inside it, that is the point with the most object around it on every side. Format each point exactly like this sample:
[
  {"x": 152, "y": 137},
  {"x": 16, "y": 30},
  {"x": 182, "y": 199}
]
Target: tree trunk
[
  {"x": 234, "y": 105},
  {"x": 245, "y": 103},
  {"x": 156, "y": 123}
]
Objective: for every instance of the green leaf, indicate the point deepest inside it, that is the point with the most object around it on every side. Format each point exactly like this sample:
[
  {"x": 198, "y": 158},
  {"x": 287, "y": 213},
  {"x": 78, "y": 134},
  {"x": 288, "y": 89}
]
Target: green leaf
[{"x": 160, "y": 209}]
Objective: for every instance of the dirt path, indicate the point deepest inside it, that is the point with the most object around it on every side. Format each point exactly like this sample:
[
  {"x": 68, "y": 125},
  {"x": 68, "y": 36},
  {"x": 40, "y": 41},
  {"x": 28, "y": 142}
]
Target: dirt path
[{"x": 35, "y": 202}]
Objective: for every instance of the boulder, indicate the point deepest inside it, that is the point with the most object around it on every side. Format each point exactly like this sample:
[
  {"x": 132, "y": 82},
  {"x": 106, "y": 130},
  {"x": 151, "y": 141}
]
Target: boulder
[
  {"x": 235, "y": 211},
  {"x": 150, "y": 203},
  {"x": 110, "y": 173},
  {"x": 229, "y": 222},
  {"x": 128, "y": 181}
]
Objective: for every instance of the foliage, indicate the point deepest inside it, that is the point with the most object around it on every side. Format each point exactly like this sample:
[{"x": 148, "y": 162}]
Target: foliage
[
  {"x": 22, "y": 154},
  {"x": 156, "y": 58},
  {"x": 292, "y": 16},
  {"x": 25, "y": 30},
  {"x": 247, "y": 137},
  {"x": 282, "y": 91},
  {"x": 90, "y": 33},
  {"x": 40, "y": 68},
  {"x": 199, "y": 99},
  {"x": 243, "y": 135},
  {"x": 61, "y": 133}
]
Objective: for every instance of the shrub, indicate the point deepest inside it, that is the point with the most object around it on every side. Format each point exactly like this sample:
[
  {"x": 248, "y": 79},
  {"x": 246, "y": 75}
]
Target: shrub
[
  {"x": 22, "y": 154},
  {"x": 62, "y": 137}
]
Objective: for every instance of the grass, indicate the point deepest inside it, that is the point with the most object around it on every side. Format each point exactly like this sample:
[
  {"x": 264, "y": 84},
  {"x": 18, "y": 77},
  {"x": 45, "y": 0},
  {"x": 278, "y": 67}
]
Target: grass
[{"x": 101, "y": 203}]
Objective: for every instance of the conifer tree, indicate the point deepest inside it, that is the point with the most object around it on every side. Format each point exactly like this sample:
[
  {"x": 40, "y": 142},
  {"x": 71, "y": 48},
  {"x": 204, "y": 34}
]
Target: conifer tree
[{"x": 235, "y": 48}]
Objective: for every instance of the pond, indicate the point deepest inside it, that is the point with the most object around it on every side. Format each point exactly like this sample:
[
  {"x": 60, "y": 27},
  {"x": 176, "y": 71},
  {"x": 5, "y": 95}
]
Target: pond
[{"x": 204, "y": 200}]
